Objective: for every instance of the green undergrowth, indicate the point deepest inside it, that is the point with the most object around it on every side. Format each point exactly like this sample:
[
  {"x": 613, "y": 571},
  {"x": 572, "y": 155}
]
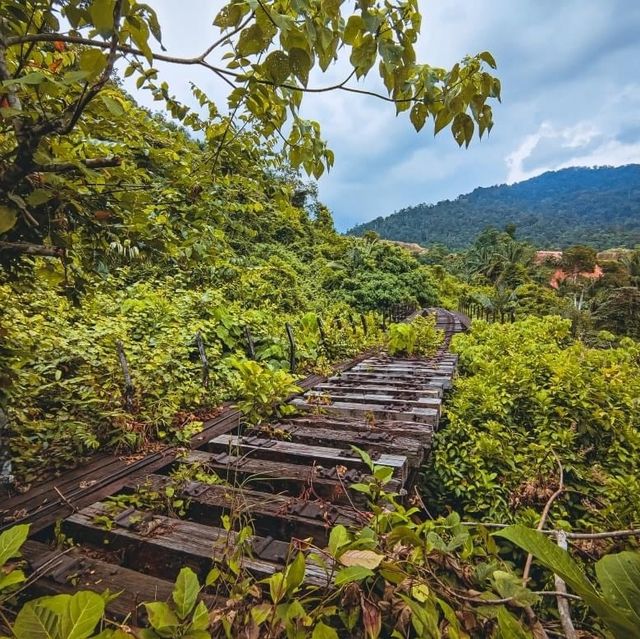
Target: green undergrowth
[
  {"x": 530, "y": 397},
  {"x": 416, "y": 338},
  {"x": 399, "y": 574},
  {"x": 65, "y": 398}
]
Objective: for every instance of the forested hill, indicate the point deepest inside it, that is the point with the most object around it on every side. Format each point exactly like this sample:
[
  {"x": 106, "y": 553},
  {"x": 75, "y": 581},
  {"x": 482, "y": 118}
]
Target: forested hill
[{"x": 595, "y": 206}]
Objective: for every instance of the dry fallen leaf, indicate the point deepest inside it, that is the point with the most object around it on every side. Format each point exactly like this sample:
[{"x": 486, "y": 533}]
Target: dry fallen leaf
[{"x": 364, "y": 558}]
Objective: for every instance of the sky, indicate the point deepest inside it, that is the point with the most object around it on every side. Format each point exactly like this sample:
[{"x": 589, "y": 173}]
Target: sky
[{"x": 570, "y": 97}]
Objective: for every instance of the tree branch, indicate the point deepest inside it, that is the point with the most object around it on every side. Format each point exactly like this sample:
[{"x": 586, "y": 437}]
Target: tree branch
[
  {"x": 65, "y": 167},
  {"x": 545, "y": 514},
  {"x": 200, "y": 61},
  {"x": 564, "y": 611},
  {"x": 24, "y": 248}
]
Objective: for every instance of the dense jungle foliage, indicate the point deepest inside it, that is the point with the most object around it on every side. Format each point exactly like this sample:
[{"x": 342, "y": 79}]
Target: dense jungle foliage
[
  {"x": 262, "y": 252},
  {"x": 599, "y": 207},
  {"x": 131, "y": 236}
]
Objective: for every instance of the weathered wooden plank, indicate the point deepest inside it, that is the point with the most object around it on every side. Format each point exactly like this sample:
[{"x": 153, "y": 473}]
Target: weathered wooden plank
[
  {"x": 46, "y": 507},
  {"x": 277, "y": 450},
  {"x": 159, "y": 546},
  {"x": 403, "y": 368},
  {"x": 371, "y": 411},
  {"x": 375, "y": 443},
  {"x": 280, "y": 516},
  {"x": 397, "y": 403},
  {"x": 393, "y": 391},
  {"x": 67, "y": 572},
  {"x": 410, "y": 379},
  {"x": 328, "y": 482},
  {"x": 412, "y": 430}
]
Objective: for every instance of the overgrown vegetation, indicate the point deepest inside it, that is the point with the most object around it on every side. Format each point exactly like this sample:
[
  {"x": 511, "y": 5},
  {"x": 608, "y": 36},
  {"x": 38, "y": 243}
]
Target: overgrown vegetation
[{"x": 152, "y": 270}]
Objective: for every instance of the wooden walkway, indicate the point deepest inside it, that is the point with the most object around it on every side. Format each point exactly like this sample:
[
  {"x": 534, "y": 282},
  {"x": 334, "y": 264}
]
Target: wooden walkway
[{"x": 291, "y": 480}]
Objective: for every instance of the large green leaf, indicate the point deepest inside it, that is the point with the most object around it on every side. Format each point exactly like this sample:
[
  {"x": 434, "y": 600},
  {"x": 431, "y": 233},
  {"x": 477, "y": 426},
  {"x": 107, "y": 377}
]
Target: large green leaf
[
  {"x": 352, "y": 573},
  {"x": 10, "y": 542},
  {"x": 11, "y": 579},
  {"x": 619, "y": 578},
  {"x": 8, "y": 219},
  {"x": 560, "y": 562},
  {"x": 84, "y": 611},
  {"x": 510, "y": 627},
  {"x": 161, "y": 617},
  {"x": 185, "y": 592},
  {"x": 34, "y": 621}
]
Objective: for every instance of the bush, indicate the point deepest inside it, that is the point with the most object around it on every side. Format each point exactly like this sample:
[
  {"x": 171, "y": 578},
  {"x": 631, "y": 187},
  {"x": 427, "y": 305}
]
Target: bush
[
  {"x": 419, "y": 337},
  {"x": 528, "y": 389}
]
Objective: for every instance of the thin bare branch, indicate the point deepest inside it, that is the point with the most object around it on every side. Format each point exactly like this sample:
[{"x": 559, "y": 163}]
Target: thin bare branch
[{"x": 545, "y": 514}]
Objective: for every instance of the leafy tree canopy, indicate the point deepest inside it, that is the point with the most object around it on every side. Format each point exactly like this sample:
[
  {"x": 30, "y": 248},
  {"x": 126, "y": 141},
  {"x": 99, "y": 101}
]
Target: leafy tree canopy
[{"x": 65, "y": 127}]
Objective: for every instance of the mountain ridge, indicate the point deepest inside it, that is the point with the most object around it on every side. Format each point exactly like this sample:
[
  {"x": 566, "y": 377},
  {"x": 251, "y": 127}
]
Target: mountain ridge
[{"x": 598, "y": 206}]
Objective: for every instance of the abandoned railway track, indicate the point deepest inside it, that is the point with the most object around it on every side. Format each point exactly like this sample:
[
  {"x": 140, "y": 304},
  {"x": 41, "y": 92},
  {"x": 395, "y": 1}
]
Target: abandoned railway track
[{"x": 290, "y": 480}]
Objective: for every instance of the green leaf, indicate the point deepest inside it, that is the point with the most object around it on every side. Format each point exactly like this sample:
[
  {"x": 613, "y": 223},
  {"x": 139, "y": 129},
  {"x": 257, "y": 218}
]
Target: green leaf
[
  {"x": 11, "y": 540},
  {"x": 228, "y": 16},
  {"x": 619, "y": 578},
  {"x": 161, "y": 617},
  {"x": 354, "y": 27},
  {"x": 252, "y": 40},
  {"x": 35, "y": 77},
  {"x": 352, "y": 573},
  {"x": 322, "y": 631},
  {"x": 11, "y": 579},
  {"x": 509, "y": 627},
  {"x": 418, "y": 115},
  {"x": 34, "y": 621},
  {"x": 185, "y": 592},
  {"x": 39, "y": 196},
  {"x": 114, "y": 107},
  {"x": 93, "y": 62},
  {"x": 337, "y": 538},
  {"x": 294, "y": 575},
  {"x": 276, "y": 586},
  {"x": 277, "y": 66},
  {"x": 560, "y": 562},
  {"x": 300, "y": 63},
  {"x": 260, "y": 613},
  {"x": 101, "y": 12},
  {"x": 510, "y": 585},
  {"x": 488, "y": 58},
  {"x": 200, "y": 619},
  {"x": 83, "y": 613},
  {"x": 443, "y": 118}
]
